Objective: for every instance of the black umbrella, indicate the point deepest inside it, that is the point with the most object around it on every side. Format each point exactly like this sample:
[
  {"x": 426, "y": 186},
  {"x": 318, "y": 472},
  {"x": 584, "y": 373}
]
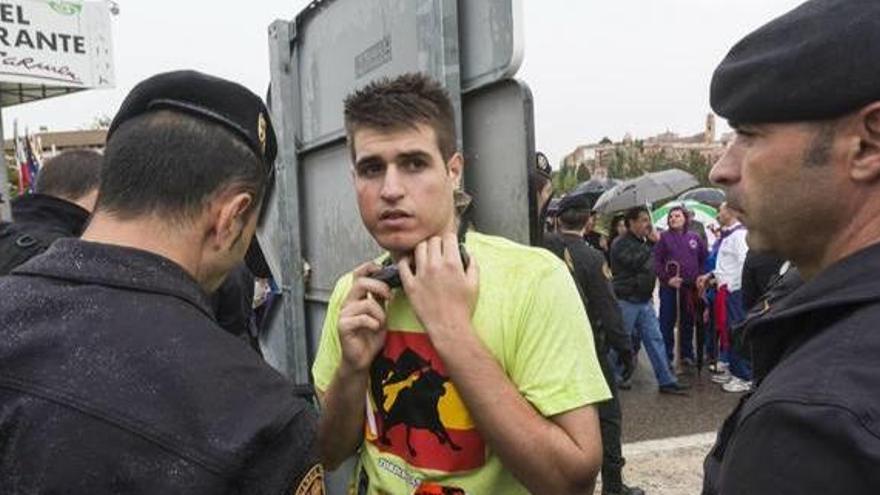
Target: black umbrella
[
  {"x": 711, "y": 196},
  {"x": 593, "y": 188},
  {"x": 644, "y": 190}
]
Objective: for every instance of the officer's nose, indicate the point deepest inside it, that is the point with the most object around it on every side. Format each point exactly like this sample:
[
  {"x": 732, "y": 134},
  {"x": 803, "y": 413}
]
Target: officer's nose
[
  {"x": 726, "y": 170},
  {"x": 392, "y": 185}
]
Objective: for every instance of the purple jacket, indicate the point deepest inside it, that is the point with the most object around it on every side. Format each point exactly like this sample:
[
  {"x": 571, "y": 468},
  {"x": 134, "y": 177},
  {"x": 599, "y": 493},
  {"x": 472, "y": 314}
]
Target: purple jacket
[{"x": 687, "y": 248}]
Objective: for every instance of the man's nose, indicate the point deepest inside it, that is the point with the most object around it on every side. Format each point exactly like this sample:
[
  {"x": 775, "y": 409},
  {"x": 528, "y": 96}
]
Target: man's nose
[{"x": 392, "y": 185}]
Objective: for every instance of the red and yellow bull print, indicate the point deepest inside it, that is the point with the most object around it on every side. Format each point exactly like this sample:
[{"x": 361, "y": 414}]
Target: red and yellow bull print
[{"x": 415, "y": 412}]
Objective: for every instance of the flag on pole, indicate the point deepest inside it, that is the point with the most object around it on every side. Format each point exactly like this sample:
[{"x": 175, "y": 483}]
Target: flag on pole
[{"x": 29, "y": 160}]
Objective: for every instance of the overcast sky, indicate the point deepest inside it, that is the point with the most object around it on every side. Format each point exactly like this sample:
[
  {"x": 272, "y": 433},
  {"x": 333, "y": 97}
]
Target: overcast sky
[{"x": 595, "y": 67}]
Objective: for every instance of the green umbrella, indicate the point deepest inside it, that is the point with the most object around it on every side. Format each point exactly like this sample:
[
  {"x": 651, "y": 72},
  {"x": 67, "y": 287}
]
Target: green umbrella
[{"x": 703, "y": 213}]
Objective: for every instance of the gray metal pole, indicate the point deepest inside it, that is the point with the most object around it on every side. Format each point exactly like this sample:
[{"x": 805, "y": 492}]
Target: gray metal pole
[
  {"x": 5, "y": 210},
  {"x": 296, "y": 364}
]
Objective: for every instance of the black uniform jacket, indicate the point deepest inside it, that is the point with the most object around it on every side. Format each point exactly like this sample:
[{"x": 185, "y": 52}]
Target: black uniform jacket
[
  {"x": 812, "y": 424},
  {"x": 632, "y": 264},
  {"x": 593, "y": 279},
  {"x": 38, "y": 220},
  {"x": 116, "y": 379}
]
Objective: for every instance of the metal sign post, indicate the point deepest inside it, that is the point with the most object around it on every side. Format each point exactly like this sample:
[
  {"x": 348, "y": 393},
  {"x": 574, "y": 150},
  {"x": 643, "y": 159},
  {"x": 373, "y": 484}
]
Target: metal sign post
[{"x": 5, "y": 197}]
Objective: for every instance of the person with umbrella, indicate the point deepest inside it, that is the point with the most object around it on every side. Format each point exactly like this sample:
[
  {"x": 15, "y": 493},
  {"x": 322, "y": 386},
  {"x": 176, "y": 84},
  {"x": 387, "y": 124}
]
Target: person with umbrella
[
  {"x": 634, "y": 282},
  {"x": 679, "y": 257}
]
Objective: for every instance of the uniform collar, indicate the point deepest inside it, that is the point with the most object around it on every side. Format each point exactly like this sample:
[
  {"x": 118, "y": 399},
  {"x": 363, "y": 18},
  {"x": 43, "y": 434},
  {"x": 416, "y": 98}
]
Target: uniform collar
[
  {"x": 51, "y": 212},
  {"x": 116, "y": 266},
  {"x": 843, "y": 283}
]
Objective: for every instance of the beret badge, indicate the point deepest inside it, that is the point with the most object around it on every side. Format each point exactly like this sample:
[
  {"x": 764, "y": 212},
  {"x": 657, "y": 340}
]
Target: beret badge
[{"x": 261, "y": 131}]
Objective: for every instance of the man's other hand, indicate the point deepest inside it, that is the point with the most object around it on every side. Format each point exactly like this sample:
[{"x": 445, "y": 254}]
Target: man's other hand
[{"x": 362, "y": 318}]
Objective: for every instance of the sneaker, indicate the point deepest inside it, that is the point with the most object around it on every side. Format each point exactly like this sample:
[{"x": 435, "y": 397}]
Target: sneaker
[
  {"x": 675, "y": 388},
  {"x": 718, "y": 367},
  {"x": 721, "y": 378},
  {"x": 735, "y": 385}
]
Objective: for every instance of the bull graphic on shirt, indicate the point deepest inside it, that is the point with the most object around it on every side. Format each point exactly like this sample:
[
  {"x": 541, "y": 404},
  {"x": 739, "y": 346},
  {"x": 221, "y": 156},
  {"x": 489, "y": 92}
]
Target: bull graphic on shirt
[
  {"x": 415, "y": 405},
  {"x": 415, "y": 410}
]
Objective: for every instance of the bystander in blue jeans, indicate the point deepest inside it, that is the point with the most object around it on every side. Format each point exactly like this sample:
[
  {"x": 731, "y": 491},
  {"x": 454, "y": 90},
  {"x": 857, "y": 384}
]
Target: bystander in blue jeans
[
  {"x": 640, "y": 320},
  {"x": 739, "y": 366}
]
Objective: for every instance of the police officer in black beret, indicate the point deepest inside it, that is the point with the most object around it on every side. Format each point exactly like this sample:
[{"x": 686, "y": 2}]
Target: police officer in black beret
[
  {"x": 115, "y": 376},
  {"x": 593, "y": 278},
  {"x": 803, "y": 174}
]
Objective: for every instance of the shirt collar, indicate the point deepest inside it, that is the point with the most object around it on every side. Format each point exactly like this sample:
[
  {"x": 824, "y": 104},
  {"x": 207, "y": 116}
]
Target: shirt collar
[{"x": 117, "y": 266}]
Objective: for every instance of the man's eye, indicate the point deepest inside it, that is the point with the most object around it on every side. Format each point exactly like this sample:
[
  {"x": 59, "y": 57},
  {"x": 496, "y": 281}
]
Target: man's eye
[
  {"x": 415, "y": 164},
  {"x": 370, "y": 170}
]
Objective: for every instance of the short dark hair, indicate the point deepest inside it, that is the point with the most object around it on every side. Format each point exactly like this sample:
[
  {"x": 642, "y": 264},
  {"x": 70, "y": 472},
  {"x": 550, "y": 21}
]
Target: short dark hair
[
  {"x": 405, "y": 101},
  {"x": 170, "y": 163},
  {"x": 574, "y": 218},
  {"x": 634, "y": 213},
  {"x": 70, "y": 175}
]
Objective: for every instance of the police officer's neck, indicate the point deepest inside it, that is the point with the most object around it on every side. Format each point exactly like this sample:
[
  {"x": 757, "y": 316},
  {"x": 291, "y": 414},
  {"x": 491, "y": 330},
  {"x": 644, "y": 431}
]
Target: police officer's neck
[
  {"x": 861, "y": 231},
  {"x": 151, "y": 234}
]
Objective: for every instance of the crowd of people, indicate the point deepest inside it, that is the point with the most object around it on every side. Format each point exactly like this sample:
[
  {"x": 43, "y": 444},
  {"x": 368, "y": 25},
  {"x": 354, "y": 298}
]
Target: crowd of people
[
  {"x": 459, "y": 362},
  {"x": 697, "y": 288}
]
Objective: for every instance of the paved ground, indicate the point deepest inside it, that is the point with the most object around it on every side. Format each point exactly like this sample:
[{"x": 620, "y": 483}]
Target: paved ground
[
  {"x": 667, "y": 437},
  {"x": 668, "y": 467},
  {"x": 648, "y": 414}
]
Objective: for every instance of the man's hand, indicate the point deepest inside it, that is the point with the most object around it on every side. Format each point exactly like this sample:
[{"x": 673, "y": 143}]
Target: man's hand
[
  {"x": 441, "y": 293},
  {"x": 362, "y": 319},
  {"x": 675, "y": 282}
]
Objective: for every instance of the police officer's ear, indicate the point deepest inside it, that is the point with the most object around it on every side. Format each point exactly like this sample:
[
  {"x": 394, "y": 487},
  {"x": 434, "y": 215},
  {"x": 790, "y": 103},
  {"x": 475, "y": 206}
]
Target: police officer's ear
[
  {"x": 866, "y": 163},
  {"x": 232, "y": 215}
]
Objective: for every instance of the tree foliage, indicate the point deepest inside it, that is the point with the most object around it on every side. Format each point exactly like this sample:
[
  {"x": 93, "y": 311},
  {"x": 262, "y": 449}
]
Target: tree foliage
[{"x": 632, "y": 159}]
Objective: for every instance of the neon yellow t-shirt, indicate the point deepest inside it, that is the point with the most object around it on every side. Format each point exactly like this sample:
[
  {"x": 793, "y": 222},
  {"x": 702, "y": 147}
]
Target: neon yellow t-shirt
[{"x": 418, "y": 433}]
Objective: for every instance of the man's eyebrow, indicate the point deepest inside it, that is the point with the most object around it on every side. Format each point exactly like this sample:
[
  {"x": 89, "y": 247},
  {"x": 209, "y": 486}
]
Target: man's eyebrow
[
  {"x": 368, "y": 160},
  {"x": 414, "y": 154}
]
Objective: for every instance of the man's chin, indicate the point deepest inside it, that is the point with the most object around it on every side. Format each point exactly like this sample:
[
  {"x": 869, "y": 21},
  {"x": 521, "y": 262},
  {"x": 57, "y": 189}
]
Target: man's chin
[{"x": 398, "y": 244}]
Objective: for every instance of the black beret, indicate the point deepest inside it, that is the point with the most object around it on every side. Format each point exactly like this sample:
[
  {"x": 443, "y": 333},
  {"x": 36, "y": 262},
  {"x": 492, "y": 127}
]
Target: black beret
[
  {"x": 816, "y": 62},
  {"x": 580, "y": 201},
  {"x": 217, "y": 100}
]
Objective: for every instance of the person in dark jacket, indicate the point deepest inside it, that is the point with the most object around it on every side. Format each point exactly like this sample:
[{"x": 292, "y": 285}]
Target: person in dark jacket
[
  {"x": 634, "y": 281},
  {"x": 233, "y": 305},
  {"x": 758, "y": 271},
  {"x": 64, "y": 196},
  {"x": 593, "y": 278},
  {"x": 804, "y": 173},
  {"x": 116, "y": 378}
]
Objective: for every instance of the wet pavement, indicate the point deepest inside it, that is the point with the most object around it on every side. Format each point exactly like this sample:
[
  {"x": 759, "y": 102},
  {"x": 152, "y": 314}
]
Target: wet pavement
[
  {"x": 648, "y": 415},
  {"x": 666, "y": 437}
]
